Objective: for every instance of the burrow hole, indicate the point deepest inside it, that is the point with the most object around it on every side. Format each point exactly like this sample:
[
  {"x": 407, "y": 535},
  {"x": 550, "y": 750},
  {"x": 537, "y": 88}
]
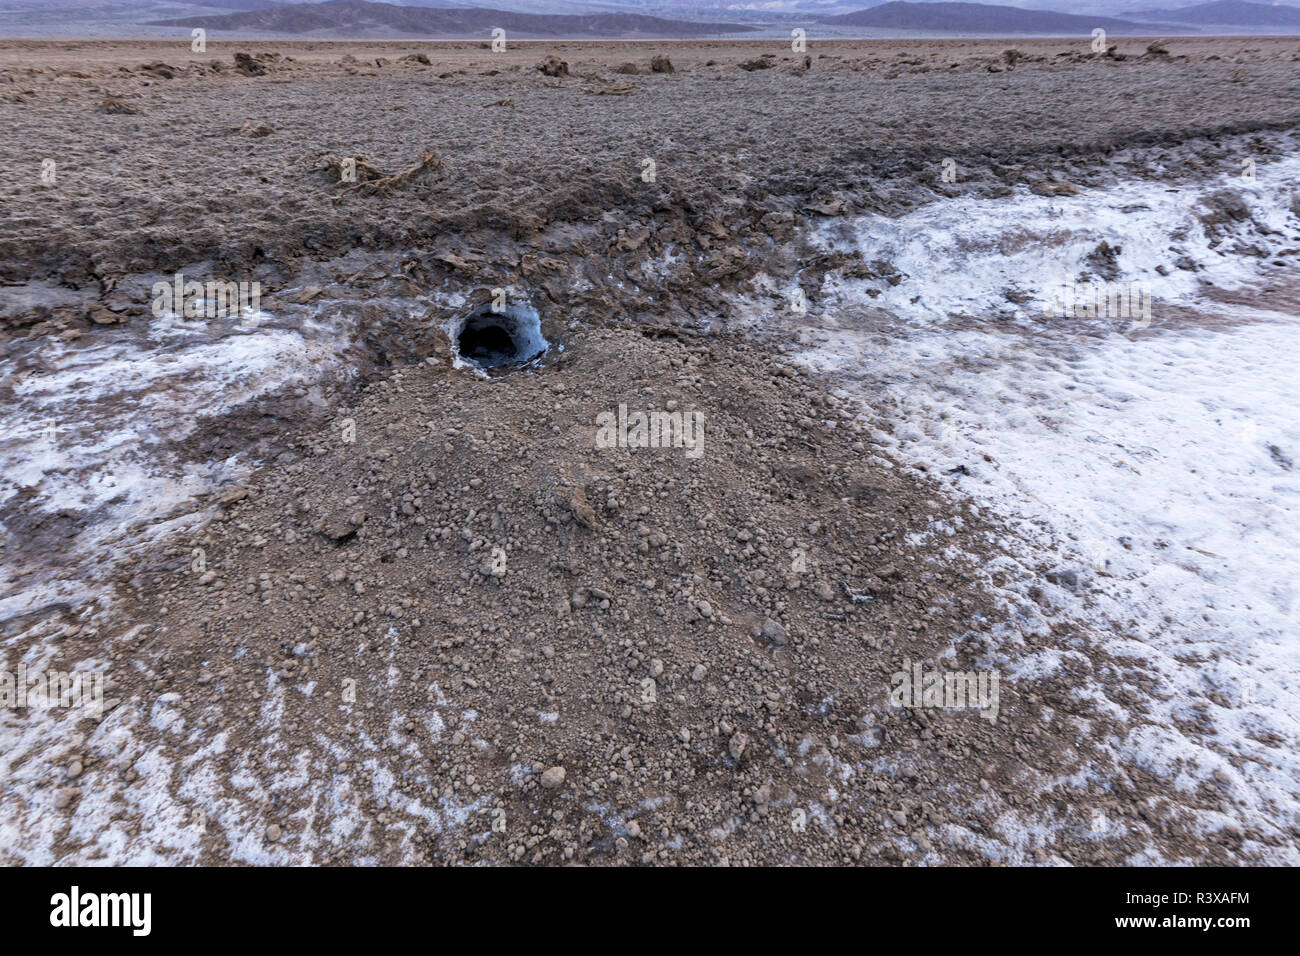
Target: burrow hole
[{"x": 491, "y": 339}]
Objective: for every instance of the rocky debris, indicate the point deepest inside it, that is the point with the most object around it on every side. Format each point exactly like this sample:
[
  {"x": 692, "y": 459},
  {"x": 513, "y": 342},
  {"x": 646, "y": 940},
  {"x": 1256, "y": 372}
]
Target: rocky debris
[
  {"x": 553, "y": 778},
  {"x": 249, "y": 65},
  {"x": 1104, "y": 260},
  {"x": 661, "y": 64},
  {"x": 628, "y": 69},
  {"x": 342, "y": 525},
  {"x": 102, "y": 316},
  {"x": 1072, "y": 578},
  {"x": 117, "y": 105},
  {"x": 553, "y": 66},
  {"x": 574, "y": 501},
  {"x": 611, "y": 89},
  {"x": 737, "y": 744},
  {"x": 419, "y": 58},
  {"x": 1221, "y": 209},
  {"x": 159, "y": 69},
  {"x": 773, "y": 631},
  {"x": 830, "y": 205},
  {"x": 764, "y": 62},
  {"x": 232, "y": 493},
  {"x": 1053, "y": 189}
]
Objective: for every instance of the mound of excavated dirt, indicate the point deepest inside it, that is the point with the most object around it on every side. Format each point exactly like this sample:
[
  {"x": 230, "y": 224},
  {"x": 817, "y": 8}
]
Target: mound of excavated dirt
[
  {"x": 672, "y": 626},
  {"x": 457, "y": 601}
]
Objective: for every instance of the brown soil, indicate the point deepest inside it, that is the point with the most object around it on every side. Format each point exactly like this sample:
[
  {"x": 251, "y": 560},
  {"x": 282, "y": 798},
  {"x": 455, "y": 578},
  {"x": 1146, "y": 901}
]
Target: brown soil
[{"x": 736, "y": 152}]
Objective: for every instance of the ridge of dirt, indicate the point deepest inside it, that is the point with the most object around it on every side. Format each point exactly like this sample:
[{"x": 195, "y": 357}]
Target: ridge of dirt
[{"x": 558, "y": 155}]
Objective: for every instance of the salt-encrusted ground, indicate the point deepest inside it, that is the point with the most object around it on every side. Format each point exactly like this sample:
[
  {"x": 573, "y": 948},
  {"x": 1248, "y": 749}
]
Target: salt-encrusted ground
[{"x": 1150, "y": 458}]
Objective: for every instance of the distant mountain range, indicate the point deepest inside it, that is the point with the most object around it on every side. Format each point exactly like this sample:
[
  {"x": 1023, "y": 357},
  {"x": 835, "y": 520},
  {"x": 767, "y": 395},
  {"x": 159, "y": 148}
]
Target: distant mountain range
[
  {"x": 986, "y": 19},
  {"x": 239, "y": 4},
  {"x": 640, "y": 18},
  {"x": 1225, "y": 13},
  {"x": 1239, "y": 13},
  {"x": 357, "y": 18},
  {"x": 989, "y": 19}
]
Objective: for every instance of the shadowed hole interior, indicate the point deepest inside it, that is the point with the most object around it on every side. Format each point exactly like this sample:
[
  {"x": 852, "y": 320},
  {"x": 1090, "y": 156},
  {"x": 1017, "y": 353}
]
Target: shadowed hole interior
[
  {"x": 486, "y": 342},
  {"x": 491, "y": 339}
]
